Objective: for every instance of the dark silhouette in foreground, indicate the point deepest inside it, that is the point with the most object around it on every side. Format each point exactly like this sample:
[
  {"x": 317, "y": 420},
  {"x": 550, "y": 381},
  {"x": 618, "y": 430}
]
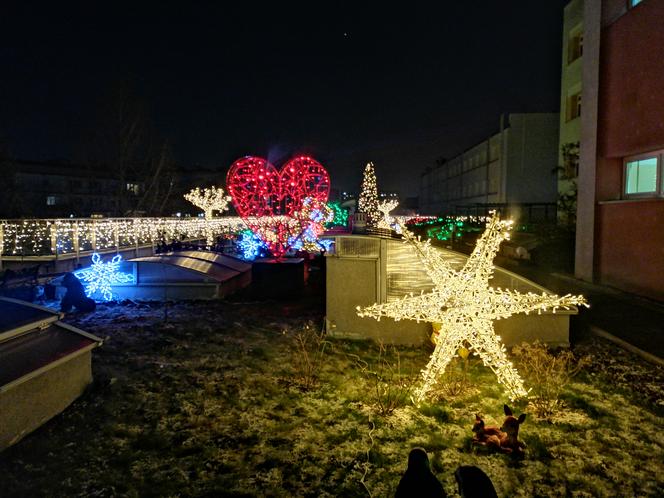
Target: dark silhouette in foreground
[
  {"x": 418, "y": 480},
  {"x": 474, "y": 483},
  {"x": 75, "y": 296}
]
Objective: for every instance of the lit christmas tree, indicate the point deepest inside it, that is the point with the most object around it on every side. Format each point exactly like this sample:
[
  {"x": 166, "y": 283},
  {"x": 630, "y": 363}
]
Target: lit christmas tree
[{"x": 368, "y": 202}]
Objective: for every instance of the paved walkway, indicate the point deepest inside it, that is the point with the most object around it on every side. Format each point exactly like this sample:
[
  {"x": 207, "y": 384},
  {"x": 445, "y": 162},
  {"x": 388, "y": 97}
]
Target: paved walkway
[{"x": 634, "y": 319}]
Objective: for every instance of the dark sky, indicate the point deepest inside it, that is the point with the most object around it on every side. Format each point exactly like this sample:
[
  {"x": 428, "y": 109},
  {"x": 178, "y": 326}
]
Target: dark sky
[{"x": 346, "y": 82}]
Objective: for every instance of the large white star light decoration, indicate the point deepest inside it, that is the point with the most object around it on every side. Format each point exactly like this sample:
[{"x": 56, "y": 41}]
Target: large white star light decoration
[
  {"x": 464, "y": 303},
  {"x": 102, "y": 276}
]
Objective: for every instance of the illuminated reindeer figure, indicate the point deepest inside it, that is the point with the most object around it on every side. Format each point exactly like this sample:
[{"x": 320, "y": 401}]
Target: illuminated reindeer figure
[{"x": 504, "y": 438}]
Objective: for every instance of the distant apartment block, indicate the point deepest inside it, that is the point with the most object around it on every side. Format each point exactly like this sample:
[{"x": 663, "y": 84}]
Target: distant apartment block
[
  {"x": 59, "y": 189},
  {"x": 516, "y": 165}
]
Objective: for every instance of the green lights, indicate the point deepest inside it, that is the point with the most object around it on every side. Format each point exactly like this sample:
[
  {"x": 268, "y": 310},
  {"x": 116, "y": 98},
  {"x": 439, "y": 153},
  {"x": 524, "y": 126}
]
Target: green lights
[
  {"x": 340, "y": 215},
  {"x": 448, "y": 228}
]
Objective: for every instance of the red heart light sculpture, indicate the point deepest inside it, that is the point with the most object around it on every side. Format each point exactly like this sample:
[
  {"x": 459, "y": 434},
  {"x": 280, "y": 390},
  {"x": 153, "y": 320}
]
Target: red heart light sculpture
[{"x": 267, "y": 199}]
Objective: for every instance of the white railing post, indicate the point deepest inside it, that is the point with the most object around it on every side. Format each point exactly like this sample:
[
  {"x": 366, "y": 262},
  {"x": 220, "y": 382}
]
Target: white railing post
[
  {"x": 53, "y": 232},
  {"x": 135, "y": 234},
  {"x": 2, "y": 242},
  {"x": 152, "y": 233},
  {"x": 93, "y": 236},
  {"x": 116, "y": 235},
  {"x": 77, "y": 243}
]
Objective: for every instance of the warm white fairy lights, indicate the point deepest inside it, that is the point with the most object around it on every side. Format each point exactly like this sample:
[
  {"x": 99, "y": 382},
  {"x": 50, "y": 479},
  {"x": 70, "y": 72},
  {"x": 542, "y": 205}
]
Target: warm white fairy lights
[
  {"x": 466, "y": 306},
  {"x": 385, "y": 207},
  {"x": 209, "y": 200},
  {"x": 368, "y": 202},
  {"x": 45, "y": 237}
]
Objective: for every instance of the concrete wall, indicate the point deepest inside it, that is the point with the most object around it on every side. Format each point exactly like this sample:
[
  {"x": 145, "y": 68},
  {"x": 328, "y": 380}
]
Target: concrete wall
[
  {"x": 532, "y": 156},
  {"x": 354, "y": 282},
  {"x": 391, "y": 271},
  {"x": 585, "y": 205}
]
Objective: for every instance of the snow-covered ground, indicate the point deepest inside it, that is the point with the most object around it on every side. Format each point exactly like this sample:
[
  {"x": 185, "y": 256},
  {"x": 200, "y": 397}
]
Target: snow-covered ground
[{"x": 207, "y": 399}]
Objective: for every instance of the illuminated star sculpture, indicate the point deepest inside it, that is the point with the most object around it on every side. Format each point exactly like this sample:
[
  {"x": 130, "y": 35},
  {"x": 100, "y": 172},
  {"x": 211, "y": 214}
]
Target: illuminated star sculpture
[
  {"x": 102, "y": 276},
  {"x": 466, "y": 306}
]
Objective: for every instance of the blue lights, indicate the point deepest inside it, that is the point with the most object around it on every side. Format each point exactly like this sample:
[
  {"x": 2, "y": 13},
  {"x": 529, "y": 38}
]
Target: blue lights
[
  {"x": 325, "y": 244},
  {"x": 100, "y": 277},
  {"x": 251, "y": 245}
]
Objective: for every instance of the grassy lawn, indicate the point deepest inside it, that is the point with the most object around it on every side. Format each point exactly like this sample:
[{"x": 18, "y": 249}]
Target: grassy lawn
[{"x": 208, "y": 401}]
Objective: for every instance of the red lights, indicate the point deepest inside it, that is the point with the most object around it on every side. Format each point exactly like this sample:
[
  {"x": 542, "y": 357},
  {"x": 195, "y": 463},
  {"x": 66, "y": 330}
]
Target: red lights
[{"x": 259, "y": 190}]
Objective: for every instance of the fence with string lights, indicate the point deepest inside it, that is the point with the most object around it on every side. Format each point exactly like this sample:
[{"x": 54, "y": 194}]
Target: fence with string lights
[{"x": 71, "y": 236}]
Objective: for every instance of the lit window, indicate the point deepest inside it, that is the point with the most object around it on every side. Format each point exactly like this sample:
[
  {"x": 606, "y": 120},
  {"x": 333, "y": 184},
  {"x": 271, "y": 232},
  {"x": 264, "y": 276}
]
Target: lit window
[
  {"x": 50, "y": 200},
  {"x": 134, "y": 188},
  {"x": 643, "y": 175},
  {"x": 574, "y": 106},
  {"x": 634, "y": 3},
  {"x": 575, "y": 47}
]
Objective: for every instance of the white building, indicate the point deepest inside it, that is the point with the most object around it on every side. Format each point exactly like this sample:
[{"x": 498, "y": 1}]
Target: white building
[{"x": 514, "y": 166}]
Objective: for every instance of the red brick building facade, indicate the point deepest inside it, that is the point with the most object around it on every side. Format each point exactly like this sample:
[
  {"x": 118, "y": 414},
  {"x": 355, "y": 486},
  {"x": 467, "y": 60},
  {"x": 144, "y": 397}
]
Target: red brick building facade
[{"x": 620, "y": 231}]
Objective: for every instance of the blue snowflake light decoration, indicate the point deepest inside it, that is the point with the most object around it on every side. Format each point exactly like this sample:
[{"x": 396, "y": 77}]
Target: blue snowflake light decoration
[
  {"x": 251, "y": 245},
  {"x": 100, "y": 277}
]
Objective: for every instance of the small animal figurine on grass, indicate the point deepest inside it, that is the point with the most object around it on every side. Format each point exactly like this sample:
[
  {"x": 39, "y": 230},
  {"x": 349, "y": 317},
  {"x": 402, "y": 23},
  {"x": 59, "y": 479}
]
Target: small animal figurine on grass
[{"x": 504, "y": 438}]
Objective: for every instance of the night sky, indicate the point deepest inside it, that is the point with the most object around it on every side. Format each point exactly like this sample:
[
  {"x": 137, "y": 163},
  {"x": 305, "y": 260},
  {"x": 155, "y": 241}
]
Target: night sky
[{"x": 400, "y": 85}]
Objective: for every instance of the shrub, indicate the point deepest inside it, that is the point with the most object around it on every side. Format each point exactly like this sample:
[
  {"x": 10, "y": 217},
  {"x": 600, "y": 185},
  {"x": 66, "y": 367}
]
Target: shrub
[
  {"x": 547, "y": 374},
  {"x": 391, "y": 388},
  {"x": 308, "y": 355},
  {"x": 454, "y": 381}
]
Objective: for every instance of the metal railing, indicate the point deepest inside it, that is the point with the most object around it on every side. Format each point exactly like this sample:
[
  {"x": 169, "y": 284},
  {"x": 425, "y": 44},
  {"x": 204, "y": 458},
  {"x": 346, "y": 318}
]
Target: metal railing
[
  {"x": 530, "y": 212},
  {"x": 70, "y": 236}
]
